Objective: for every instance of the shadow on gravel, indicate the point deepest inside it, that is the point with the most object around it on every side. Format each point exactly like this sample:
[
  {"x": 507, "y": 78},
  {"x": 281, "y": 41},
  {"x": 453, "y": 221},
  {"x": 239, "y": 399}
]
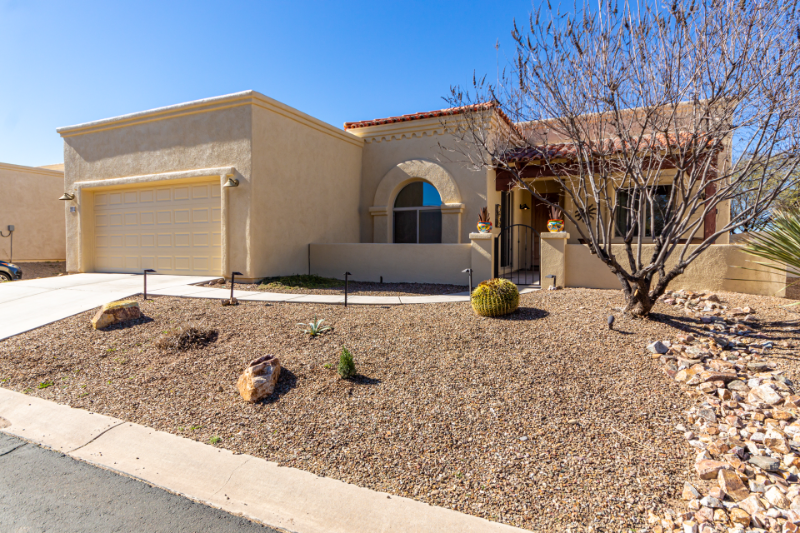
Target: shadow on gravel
[
  {"x": 358, "y": 379},
  {"x": 524, "y": 313},
  {"x": 286, "y": 382},
  {"x": 128, "y": 324}
]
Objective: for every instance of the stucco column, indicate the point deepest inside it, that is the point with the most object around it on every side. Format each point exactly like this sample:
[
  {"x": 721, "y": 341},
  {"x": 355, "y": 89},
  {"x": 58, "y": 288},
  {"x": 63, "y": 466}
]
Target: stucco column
[
  {"x": 451, "y": 223},
  {"x": 380, "y": 224},
  {"x": 553, "y": 260},
  {"x": 482, "y": 256}
]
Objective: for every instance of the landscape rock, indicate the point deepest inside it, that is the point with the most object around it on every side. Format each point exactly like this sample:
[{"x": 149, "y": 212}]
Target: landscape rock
[
  {"x": 739, "y": 516},
  {"x": 776, "y": 498},
  {"x": 765, "y": 463},
  {"x": 709, "y": 469},
  {"x": 658, "y": 347},
  {"x": 116, "y": 312},
  {"x": 731, "y": 485},
  {"x": 259, "y": 378}
]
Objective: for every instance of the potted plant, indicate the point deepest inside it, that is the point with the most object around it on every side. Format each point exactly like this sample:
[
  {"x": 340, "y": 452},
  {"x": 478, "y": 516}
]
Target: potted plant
[
  {"x": 556, "y": 223},
  {"x": 484, "y": 222}
]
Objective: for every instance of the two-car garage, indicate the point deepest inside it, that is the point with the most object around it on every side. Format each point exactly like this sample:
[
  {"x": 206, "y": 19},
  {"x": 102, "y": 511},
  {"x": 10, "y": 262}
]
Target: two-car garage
[{"x": 173, "y": 229}]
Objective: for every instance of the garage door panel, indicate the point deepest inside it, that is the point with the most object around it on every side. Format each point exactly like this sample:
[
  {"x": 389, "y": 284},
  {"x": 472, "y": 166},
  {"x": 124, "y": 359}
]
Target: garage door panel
[{"x": 171, "y": 229}]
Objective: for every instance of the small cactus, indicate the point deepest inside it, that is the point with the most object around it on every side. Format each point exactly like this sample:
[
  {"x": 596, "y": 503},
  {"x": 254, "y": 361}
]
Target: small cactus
[
  {"x": 347, "y": 367},
  {"x": 495, "y": 297}
]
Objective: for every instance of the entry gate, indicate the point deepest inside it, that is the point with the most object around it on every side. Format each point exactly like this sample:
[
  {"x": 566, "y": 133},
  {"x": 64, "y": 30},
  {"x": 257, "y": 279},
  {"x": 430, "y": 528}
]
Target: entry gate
[{"x": 516, "y": 254}]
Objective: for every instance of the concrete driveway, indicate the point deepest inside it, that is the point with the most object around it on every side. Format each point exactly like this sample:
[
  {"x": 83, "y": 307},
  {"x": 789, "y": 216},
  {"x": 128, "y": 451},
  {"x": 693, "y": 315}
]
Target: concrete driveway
[{"x": 29, "y": 304}]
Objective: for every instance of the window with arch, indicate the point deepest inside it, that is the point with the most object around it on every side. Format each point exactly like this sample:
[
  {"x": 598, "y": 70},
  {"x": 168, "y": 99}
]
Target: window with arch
[{"x": 418, "y": 214}]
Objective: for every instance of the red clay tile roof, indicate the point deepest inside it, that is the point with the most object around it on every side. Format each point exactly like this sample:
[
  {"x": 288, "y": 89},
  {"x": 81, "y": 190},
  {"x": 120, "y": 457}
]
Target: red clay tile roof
[
  {"x": 605, "y": 147},
  {"x": 429, "y": 114}
]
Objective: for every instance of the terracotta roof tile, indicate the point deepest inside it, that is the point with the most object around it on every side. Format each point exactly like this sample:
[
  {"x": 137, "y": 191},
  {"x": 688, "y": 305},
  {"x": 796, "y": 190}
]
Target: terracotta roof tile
[
  {"x": 429, "y": 114},
  {"x": 605, "y": 147}
]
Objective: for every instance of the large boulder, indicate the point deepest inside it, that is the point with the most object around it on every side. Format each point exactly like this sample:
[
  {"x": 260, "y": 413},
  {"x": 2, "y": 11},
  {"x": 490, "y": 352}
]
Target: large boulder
[
  {"x": 116, "y": 312},
  {"x": 259, "y": 378}
]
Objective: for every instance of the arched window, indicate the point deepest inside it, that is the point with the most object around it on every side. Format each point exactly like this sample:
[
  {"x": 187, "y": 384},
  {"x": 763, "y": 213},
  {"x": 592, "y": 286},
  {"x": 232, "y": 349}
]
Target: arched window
[{"x": 418, "y": 214}]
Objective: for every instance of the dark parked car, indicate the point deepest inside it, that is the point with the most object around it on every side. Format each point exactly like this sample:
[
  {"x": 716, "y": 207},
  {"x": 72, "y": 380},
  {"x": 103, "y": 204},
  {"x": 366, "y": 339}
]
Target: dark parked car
[{"x": 9, "y": 271}]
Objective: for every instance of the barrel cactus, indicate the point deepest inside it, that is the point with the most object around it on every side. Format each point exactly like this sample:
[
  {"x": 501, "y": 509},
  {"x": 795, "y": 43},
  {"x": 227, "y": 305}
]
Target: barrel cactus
[{"x": 495, "y": 297}]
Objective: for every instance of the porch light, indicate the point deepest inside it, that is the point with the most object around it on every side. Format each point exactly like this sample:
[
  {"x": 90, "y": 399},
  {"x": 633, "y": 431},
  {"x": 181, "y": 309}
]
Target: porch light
[
  {"x": 524, "y": 207},
  {"x": 67, "y": 196},
  {"x": 232, "y": 182}
]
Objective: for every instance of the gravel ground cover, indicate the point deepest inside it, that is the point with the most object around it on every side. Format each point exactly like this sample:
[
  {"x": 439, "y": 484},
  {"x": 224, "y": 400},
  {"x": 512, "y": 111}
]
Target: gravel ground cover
[
  {"x": 361, "y": 288},
  {"x": 544, "y": 419},
  {"x": 42, "y": 269}
]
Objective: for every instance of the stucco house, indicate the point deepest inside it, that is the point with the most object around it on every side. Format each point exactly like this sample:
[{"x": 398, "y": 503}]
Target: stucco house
[
  {"x": 244, "y": 183},
  {"x": 29, "y": 203}
]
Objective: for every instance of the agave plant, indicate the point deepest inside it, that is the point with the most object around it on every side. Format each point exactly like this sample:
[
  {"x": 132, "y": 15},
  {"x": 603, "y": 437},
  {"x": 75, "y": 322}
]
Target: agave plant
[
  {"x": 779, "y": 243},
  {"x": 314, "y": 327}
]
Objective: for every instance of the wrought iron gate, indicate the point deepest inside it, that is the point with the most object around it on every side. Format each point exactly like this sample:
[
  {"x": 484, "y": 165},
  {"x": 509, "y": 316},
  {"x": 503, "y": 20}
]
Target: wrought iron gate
[{"x": 516, "y": 254}]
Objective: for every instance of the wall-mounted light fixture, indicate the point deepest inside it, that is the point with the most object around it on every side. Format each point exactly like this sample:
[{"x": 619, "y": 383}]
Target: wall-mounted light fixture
[
  {"x": 524, "y": 207},
  {"x": 67, "y": 196},
  {"x": 232, "y": 182}
]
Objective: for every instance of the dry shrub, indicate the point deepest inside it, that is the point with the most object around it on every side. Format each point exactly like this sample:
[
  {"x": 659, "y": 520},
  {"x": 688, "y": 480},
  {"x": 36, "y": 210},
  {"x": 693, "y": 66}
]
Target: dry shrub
[{"x": 186, "y": 338}]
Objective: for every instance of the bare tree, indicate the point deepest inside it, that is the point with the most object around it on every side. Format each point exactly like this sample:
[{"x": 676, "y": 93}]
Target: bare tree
[{"x": 650, "y": 118}]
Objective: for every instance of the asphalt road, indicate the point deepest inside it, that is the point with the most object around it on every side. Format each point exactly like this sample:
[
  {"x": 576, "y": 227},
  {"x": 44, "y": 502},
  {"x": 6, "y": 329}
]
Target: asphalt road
[{"x": 45, "y": 491}]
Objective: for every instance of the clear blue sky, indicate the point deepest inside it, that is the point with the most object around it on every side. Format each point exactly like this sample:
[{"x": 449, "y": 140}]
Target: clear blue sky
[{"x": 67, "y": 62}]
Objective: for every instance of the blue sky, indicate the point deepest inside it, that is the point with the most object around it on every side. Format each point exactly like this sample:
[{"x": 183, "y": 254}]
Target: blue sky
[{"x": 64, "y": 63}]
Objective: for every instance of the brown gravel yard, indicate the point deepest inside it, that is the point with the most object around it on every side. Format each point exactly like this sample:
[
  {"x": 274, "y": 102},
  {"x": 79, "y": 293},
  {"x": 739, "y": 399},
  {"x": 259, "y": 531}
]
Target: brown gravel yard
[
  {"x": 544, "y": 419},
  {"x": 43, "y": 269}
]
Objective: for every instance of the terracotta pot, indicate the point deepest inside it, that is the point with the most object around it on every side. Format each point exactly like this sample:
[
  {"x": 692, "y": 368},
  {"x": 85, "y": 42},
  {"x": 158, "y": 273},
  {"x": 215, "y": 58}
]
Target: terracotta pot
[
  {"x": 484, "y": 227},
  {"x": 554, "y": 226}
]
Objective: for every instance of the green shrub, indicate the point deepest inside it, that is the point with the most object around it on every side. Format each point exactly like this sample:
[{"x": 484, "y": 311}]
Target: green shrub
[
  {"x": 495, "y": 297},
  {"x": 347, "y": 367}
]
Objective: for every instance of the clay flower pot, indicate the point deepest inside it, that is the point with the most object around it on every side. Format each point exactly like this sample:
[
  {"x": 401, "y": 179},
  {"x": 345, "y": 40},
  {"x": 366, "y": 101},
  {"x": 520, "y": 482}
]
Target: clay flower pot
[
  {"x": 484, "y": 227},
  {"x": 554, "y": 226}
]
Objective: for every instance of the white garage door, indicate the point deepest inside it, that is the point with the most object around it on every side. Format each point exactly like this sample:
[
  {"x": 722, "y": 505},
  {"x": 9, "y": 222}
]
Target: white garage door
[{"x": 172, "y": 229}]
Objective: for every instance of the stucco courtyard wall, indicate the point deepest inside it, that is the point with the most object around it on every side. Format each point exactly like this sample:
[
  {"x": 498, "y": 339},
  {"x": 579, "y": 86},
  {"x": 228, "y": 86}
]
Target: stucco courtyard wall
[
  {"x": 719, "y": 268},
  {"x": 413, "y": 263},
  {"x": 30, "y": 203},
  {"x": 306, "y": 179}
]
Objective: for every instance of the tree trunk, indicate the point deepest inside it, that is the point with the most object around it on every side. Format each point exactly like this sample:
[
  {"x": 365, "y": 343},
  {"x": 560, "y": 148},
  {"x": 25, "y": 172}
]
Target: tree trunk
[{"x": 639, "y": 303}]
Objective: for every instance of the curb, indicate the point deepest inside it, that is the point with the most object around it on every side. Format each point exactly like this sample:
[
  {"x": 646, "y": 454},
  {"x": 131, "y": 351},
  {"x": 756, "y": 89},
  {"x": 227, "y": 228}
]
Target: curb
[{"x": 283, "y": 498}]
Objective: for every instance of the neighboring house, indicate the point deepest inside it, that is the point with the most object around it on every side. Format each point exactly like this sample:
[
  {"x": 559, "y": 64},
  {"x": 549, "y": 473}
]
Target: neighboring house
[
  {"x": 245, "y": 183},
  {"x": 29, "y": 202}
]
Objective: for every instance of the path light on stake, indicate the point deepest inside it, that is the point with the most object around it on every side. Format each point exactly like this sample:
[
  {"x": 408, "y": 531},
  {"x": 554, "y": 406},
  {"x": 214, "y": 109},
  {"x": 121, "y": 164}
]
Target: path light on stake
[
  {"x": 233, "y": 280},
  {"x": 553, "y": 287},
  {"x": 470, "y": 279},
  {"x": 145, "y": 281},
  {"x": 345, "y": 287}
]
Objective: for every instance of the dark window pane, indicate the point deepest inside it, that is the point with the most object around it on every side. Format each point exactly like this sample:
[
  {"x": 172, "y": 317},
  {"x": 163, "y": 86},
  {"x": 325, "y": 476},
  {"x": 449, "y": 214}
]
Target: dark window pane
[
  {"x": 430, "y": 227},
  {"x": 405, "y": 227},
  {"x": 430, "y": 196},
  {"x": 410, "y": 196},
  {"x": 623, "y": 206}
]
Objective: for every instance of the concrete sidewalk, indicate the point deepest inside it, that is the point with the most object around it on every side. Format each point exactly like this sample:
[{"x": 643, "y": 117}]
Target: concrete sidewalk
[{"x": 283, "y": 498}]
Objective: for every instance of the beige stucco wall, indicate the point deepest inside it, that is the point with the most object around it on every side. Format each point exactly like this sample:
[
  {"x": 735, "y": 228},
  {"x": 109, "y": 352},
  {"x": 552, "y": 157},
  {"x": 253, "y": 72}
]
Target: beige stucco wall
[
  {"x": 306, "y": 188},
  {"x": 389, "y": 145},
  {"x": 288, "y": 164},
  {"x": 29, "y": 202},
  {"x": 719, "y": 268},
  {"x": 413, "y": 263}
]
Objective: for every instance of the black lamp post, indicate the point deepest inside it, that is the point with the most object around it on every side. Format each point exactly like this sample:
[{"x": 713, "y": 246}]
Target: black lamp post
[
  {"x": 233, "y": 280},
  {"x": 470, "y": 279},
  {"x": 345, "y": 287},
  {"x": 145, "y": 281}
]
